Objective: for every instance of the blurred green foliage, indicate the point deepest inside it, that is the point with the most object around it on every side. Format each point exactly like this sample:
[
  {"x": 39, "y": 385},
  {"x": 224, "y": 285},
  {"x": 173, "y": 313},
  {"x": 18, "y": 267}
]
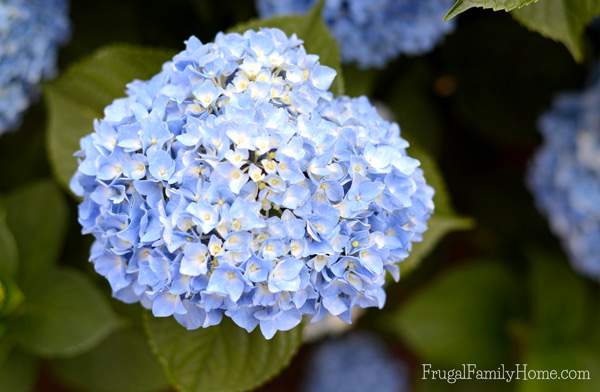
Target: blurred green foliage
[{"x": 461, "y": 317}]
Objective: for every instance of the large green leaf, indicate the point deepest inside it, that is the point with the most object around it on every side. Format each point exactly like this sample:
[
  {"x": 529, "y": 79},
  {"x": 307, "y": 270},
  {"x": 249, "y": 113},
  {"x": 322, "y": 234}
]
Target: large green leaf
[
  {"x": 420, "y": 125},
  {"x": 434, "y": 178},
  {"x": 443, "y": 221},
  {"x": 6, "y": 346},
  {"x": 313, "y": 31},
  {"x": 438, "y": 227},
  {"x": 561, "y": 334},
  {"x": 65, "y": 314},
  {"x": 9, "y": 258},
  {"x": 461, "y": 6},
  {"x": 18, "y": 372},
  {"x": 220, "y": 358},
  {"x": 561, "y": 20},
  {"x": 573, "y": 356},
  {"x": 122, "y": 362},
  {"x": 431, "y": 385},
  {"x": 558, "y": 300},
  {"x": 460, "y": 318},
  {"x": 361, "y": 81},
  {"x": 11, "y": 298},
  {"x": 36, "y": 214},
  {"x": 79, "y": 96}
]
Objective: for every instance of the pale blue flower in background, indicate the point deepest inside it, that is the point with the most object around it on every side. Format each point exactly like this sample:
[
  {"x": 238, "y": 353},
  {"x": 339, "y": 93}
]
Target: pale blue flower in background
[
  {"x": 357, "y": 362},
  {"x": 565, "y": 175},
  {"x": 233, "y": 183},
  {"x": 30, "y": 33},
  {"x": 370, "y": 33}
]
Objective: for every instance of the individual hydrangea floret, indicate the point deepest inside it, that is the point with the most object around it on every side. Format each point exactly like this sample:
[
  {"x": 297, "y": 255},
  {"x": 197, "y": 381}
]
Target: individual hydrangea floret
[
  {"x": 565, "y": 176},
  {"x": 358, "y": 362},
  {"x": 233, "y": 183},
  {"x": 372, "y": 32},
  {"x": 30, "y": 33}
]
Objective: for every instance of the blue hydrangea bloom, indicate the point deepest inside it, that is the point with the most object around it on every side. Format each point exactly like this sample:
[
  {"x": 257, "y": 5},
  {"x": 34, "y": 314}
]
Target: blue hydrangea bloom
[
  {"x": 372, "y": 32},
  {"x": 565, "y": 175},
  {"x": 358, "y": 362},
  {"x": 233, "y": 183},
  {"x": 30, "y": 32}
]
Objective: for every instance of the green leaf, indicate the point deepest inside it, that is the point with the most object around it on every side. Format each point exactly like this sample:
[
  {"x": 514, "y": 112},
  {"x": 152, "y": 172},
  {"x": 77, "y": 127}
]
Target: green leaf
[
  {"x": 79, "y": 96},
  {"x": 438, "y": 227},
  {"x": 434, "y": 178},
  {"x": 462, "y": 386},
  {"x": 554, "y": 356},
  {"x": 220, "y": 358},
  {"x": 36, "y": 214},
  {"x": 443, "y": 221},
  {"x": 11, "y": 297},
  {"x": 9, "y": 258},
  {"x": 64, "y": 315},
  {"x": 362, "y": 81},
  {"x": 313, "y": 31},
  {"x": 561, "y": 20},
  {"x": 497, "y": 5},
  {"x": 460, "y": 318},
  {"x": 122, "y": 362},
  {"x": 558, "y": 315},
  {"x": 562, "y": 332},
  {"x": 18, "y": 372},
  {"x": 6, "y": 346}
]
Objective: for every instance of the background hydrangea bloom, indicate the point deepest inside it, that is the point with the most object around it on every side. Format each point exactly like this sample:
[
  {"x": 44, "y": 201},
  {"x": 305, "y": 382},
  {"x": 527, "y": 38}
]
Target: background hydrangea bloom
[
  {"x": 233, "y": 183},
  {"x": 357, "y": 362},
  {"x": 30, "y": 32},
  {"x": 372, "y": 32},
  {"x": 565, "y": 175}
]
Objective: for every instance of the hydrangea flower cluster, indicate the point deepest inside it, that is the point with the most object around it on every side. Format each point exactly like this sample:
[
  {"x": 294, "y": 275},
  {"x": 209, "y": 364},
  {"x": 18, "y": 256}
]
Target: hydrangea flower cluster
[
  {"x": 565, "y": 175},
  {"x": 233, "y": 183},
  {"x": 355, "y": 363},
  {"x": 30, "y": 33},
  {"x": 372, "y": 32}
]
